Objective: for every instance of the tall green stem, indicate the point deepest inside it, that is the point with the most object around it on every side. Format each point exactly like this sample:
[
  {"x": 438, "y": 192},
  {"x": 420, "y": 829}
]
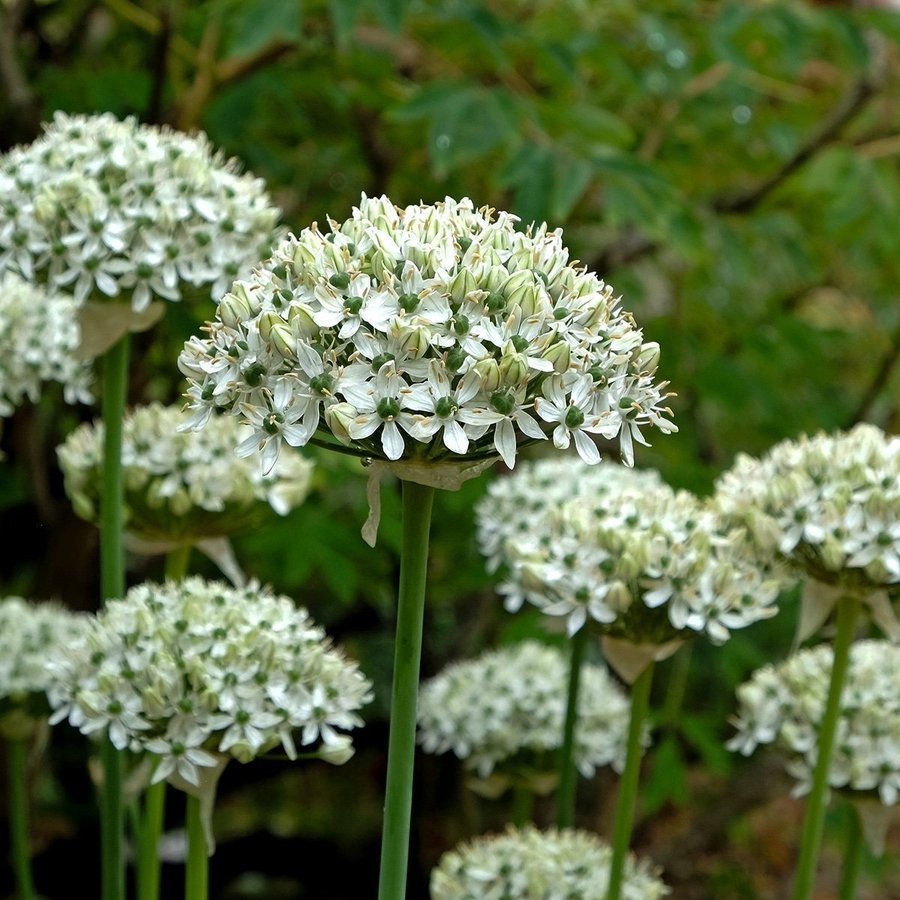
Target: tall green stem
[
  {"x": 522, "y": 806},
  {"x": 853, "y": 856},
  {"x": 17, "y": 758},
  {"x": 112, "y": 584},
  {"x": 568, "y": 773},
  {"x": 814, "y": 822},
  {"x": 417, "y": 503},
  {"x": 196, "y": 875},
  {"x": 151, "y": 826},
  {"x": 177, "y": 562},
  {"x": 628, "y": 785}
]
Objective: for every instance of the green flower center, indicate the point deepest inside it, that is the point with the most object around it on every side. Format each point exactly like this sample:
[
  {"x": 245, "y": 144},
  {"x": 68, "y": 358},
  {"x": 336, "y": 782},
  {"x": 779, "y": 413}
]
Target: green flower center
[
  {"x": 503, "y": 402},
  {"x": 574, "y": 417},
  {"x": 408, "y": 302},
  {"x": 322, "y": 384},
  {"x": 445, "y": 407},
  {"x": 272, "y": 422},
  {"x": 388, "y": 408}
]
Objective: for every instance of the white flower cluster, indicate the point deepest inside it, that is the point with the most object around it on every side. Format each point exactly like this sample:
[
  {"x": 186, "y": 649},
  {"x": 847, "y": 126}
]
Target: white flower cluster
[
  {"x": 29, "y": 633},
  {"x": 645, "y": 563},
  {"x": 505, "y": 711},
  {"x": 426, "y": 332},
  {"x": 527, "y": 864},
  {"x": 516, "y": 506},
  {"x": 180, "y": 485},
  {"x": 829, "y": 505},
  {"x": 103, "y": 207},
  {"x": 38, "y": 340},
  {"x": 784, "y": 704},
  {"x": 186, "y": 669}
]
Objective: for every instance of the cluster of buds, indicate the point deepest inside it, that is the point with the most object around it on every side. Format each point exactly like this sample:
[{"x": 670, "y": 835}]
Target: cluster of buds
[
  {"x": 29, "y": 634},
  {"x": 195, "y": 671},
  {"x": 783, "y": 705},
  {"x": 38, "y": 343},
  {"x": 504, "y": 712},
  {"x": 181, "y": 486},
  {"x": 104, "y": 208},
  {"x": 643, "y": 563},
  {"x": 430, "y": 333},
  {"x": 827, "y": 504},
  {"x": 523, "y": 864}
]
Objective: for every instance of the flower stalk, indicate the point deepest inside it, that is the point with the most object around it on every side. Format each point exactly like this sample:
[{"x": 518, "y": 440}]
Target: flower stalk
[
  {"x": 854, "y": 850},
  {"x": 628, "y": 785},
  {"x": 112, "y": 584},
  {"x": 568, "y": 773},
  {"x": 151, "y": 826},
  {"x": 417, "y": 504},
  {"x": 196, "y": 875},
  {"x": 17, "y": 760},
  {"x": 848, "y": 608}
]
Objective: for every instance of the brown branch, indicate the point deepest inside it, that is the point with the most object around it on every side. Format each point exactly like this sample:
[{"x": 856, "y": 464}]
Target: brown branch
[
  {"x": 236, "y": 67},
  {"x": 162, "y": 46},
  {"x": 879, "y": 380}
]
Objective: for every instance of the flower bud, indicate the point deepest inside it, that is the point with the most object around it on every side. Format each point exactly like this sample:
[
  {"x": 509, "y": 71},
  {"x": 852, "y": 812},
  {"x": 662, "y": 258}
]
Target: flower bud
[
  {"x": 521, "y": 291},
  {"x": 301, "y": 320},
  {"x": 413, "y": 340},
  {"x": 282, "y": 339},
  {"x": 648, "y": 358},
  {"x": 513, "y": 369},
  {"x": 237, "y": 306},
  {"x": 490, "y": 374},
  {"x": 462, "y": 284},
  {"x": 340, "y": 416},
  {"x": 559, "y": 355},
  {"x": 338, "y": 751}
]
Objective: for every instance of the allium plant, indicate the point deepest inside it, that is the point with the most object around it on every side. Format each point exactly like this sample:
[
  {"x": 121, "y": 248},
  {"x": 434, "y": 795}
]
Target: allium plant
[
  {"x": 527, "y": 864},
  {"x": 503, "y": 712},
  {"x": 195, "y": 673},
  {"x": 784, "y": 705},
  {"x": 646, "y": 567},
  {"x": 38, "y": 343},
  {"x": 435, "y": 338},
  {"x": 104, "y": 208},
  {"x": 29, "y": 633},
  {"x": 181, "y": 486},
  {"x": 829, "y": 506},
  {"x": 121, "y": 214}
]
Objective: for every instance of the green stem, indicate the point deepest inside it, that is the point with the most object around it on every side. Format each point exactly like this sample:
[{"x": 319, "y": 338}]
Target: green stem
[
  {"x": 568, "y": 773},
  {"x": 17, "y": 753},
  {"x": 814, "y": 822},
  {"x": 522, "y": 806},
  {"x": 196, "y": 876},
  {"x": 151, "y": 826},
  {"x": 628, "y": 785},
  {"x": 177, "y": 561},
  {"x": 112, "y": 584},
  {"x": 853, "y": 856},
  {"x": 417, "y": 503}
]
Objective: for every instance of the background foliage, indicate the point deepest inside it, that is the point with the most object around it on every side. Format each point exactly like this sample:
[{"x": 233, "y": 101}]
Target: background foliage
[{"x": 731, "y": 167}]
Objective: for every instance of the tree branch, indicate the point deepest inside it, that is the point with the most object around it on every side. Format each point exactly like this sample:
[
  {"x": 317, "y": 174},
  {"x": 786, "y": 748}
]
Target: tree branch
[{"x": 879, "y": 380}]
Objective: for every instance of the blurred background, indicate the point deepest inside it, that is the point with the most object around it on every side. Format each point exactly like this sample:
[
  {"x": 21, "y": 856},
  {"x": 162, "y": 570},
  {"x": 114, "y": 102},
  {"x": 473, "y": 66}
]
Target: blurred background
[{"x": 732, "y": 168}]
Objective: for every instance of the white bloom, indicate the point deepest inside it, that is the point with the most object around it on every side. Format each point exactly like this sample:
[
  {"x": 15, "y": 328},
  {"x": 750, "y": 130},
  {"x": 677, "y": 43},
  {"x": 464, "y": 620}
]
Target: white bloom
[
  {"x": 181, "y": 485},
  {"x": 829, "y": 505},
  {"x": 38, "y": 340},
  {"x": 504, "y": 712},
  {"x": 643, "y": 562},
  {"x": 783, "y": 705},
  {"x": 186, "y": 670},
  {"x": 527, "y": 864},
  {"x": 406, "y": 309},
  {"x": 106, "y": 208}
]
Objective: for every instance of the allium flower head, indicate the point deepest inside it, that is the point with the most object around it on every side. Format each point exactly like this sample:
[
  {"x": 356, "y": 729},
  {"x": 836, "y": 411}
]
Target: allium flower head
[
  {"x": 29, "y": 633},
  {"x": 829, "y": 505},
  {"x": 527, "y": 864},
  {"x": 504, "y": 712},
  {"x": 187, "y": 669},
  {"x": 644, "y": 563},
  {"x": 105, "y": 208},
  {"x": 783, "y": 705},
  {"x": 38, "y": 340},
  {"x": 428, "y": 333},
  {"x": 181, "y": 485},
  {"x": 517, "y": 506}
]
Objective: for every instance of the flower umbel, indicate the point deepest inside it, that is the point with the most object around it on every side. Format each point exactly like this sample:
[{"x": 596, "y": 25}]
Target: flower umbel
[
  {"x": 104, "y": 208},
  {"x": 38, "y": 340},
  {"x": 504, "y": 712},
  {"x": 431, "y": 333},
  {"x": 187, "y": 669},
  {"x": 526, "y": 864},
  {"x": 783, "y": 705},
  {"x": 181, "y": 485}
]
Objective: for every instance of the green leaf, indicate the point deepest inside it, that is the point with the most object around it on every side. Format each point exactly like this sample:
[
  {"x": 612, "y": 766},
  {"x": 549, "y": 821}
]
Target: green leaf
[
  {"x": 251, "y": 25},
  {"x": 344, "y": 14},
  {"x": 667, "y": 779}
]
